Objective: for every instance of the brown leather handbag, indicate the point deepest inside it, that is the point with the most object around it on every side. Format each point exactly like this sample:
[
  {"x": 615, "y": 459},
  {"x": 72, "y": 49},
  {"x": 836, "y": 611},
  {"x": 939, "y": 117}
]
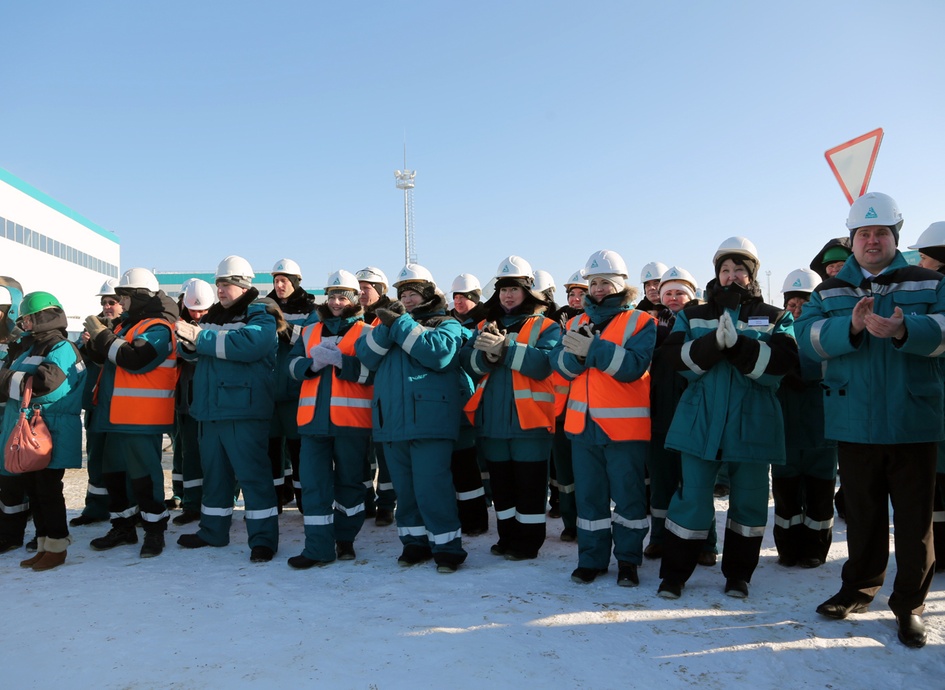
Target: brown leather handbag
[{"x": 29, "y": 447}]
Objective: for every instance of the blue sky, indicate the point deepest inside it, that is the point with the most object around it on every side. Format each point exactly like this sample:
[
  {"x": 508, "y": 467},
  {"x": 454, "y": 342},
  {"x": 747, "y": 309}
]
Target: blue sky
[{"x": 550, "y": 130}]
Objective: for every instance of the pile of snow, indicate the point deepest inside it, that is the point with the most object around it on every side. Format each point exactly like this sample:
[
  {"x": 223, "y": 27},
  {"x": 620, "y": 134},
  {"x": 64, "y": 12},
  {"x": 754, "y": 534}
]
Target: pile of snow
[{"x": 209, "y": 618}]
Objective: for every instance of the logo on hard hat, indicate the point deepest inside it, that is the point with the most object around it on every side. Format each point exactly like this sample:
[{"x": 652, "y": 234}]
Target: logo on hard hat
[
  {"x": 505, "y": 269},
  {"x": 594, "y": 263},
  {"x": 871, "y": 213},
  {"x": 797, "y": 283}
]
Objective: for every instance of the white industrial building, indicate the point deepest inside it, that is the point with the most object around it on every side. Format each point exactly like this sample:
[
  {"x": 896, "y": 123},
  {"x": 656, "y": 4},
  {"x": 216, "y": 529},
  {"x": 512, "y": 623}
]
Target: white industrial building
[{"x": 48, "y": 246}]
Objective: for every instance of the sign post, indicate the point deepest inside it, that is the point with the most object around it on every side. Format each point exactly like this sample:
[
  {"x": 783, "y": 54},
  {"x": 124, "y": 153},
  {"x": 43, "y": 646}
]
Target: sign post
[{"x": 852, "y": 163}]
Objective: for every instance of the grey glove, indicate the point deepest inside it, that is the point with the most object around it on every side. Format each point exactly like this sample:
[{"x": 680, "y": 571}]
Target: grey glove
[
  {"x": 490, "y": 343},
  {"x": 188, "y": 332},
  {"x": 387, "y": 316},
  {"x": 94, "y": 326},
  {"x": 331, "y": 353},
  {"x": 320, "y": 357},
  {"x": 577, "y": 343}
]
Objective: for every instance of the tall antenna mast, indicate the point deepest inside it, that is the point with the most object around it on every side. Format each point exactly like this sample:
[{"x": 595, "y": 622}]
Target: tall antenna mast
[{"x": 404, "y": 179}]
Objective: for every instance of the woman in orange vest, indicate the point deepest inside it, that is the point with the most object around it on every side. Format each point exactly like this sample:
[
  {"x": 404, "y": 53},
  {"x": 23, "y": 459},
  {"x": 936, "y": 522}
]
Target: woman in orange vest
[
  {"x": 605, "y": 354},
  {"x": 513, "y": 406},
  {"x": 334, "y": 419},
  {"x": 134, "y": 408}
]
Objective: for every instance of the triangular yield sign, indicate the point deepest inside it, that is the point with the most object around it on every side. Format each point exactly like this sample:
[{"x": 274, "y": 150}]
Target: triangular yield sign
[{"x": 852, "y": 163}]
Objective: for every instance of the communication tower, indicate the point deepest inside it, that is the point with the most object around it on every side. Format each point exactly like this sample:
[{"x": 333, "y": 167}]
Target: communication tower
[{"x": 404, "y": 179}]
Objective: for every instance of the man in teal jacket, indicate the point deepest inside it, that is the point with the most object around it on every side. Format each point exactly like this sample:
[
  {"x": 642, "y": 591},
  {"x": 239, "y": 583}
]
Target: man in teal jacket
[
  {"x": 417, "y": 403},
  {"x": 879, "y": 326},
  {"x": 234, "y": 346}
]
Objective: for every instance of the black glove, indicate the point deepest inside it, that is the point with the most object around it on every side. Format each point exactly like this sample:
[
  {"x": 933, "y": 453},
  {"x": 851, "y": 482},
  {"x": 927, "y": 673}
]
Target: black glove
[{"x": 397, "y": 307}]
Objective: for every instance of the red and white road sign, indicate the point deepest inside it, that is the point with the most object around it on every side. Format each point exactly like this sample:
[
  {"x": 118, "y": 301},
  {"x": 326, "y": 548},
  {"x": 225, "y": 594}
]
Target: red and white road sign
[{"x": 852, "y": 163}]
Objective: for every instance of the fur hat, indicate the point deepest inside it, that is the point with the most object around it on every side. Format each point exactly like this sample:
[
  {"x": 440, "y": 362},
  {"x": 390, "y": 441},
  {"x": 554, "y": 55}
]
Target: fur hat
[
  {"x": 422, "y": 288},
  {"x": 739, "y": 259}
]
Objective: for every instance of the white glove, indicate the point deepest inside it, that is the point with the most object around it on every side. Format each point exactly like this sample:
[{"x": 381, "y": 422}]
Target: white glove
[
  {"x": 187, "y": 331},
  {"x": 726, "y": 335},
  {"x": 577, "y": 343}
]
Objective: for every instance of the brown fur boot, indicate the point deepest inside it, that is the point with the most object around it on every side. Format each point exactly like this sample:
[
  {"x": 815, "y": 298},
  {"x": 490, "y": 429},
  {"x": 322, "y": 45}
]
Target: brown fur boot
[
  {"x": 40, "y": 551},
  {"x": 55, "y": 554}
]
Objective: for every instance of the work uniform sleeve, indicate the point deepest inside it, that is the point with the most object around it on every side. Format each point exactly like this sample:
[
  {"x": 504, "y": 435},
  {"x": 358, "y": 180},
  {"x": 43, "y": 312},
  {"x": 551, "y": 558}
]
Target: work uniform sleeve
[
  {"x": 533, "y": 361},
  {"x": 434, "y": 348},
  {"x": 822, "y": 335},
  {"x": 474, "y": 362},
  {"x": 624, "y": 363},
  {"x": 689, "y": 355},
  {"x": 373, "y": 345},
  {"x": 765, "y": 361},
  {"x": 925, "y": 333},
  {"x": 253, "y": 341},
  {"x": 299, "y": 362},
  {"x": 61, "y": 372},
  {"x": 141, "y": 355}
]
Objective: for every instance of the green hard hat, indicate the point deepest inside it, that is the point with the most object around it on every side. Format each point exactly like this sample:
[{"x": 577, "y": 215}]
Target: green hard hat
[{"x": 37, "y": 301}]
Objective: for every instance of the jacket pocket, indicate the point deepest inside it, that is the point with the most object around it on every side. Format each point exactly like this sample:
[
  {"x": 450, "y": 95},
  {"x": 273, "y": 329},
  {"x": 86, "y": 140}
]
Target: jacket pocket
[
  {"x": 837, "y": 409},
  {"x": 924, "y": 411},
  {"x": 432, "y": 410},
  {"x": 234, "y": 396}
]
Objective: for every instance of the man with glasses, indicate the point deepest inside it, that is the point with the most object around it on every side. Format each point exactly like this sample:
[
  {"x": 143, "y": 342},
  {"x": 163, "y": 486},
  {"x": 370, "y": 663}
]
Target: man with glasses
[{"x": 96, "y": 496}]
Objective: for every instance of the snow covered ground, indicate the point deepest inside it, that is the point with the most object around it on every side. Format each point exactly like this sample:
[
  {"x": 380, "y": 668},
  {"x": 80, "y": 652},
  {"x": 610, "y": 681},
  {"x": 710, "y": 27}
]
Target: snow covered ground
[{"x": 209, "y": 618}]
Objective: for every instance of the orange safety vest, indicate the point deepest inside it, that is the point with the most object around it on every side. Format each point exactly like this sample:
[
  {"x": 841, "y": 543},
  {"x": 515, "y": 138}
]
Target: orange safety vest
[
  {"x": 534, "y": 398},
  {"x": 561, "y": 388},
  {"x": 621, "y": 410},
  {"x": 350, "y": 403},
  {"x": 146, "y": 399}
]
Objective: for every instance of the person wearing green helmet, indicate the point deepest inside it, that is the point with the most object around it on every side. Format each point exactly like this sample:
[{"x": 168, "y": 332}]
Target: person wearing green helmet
[{"x": 58, "y": 375}]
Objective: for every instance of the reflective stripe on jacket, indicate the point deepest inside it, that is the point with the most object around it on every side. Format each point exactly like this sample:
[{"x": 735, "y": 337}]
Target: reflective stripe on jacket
[
  {"x": 145, "y": 399},
  {"x": 350, "y": 403},
  {"x": 534, "y": 398},
  {"x": 620, "y": 409}
]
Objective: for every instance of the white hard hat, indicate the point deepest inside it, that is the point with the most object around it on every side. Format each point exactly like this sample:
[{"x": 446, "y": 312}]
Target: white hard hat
[
  {"x": 342, "y": 280},
  {"x": 739, "y": 246},
  {"x": 577, "y": 279},
  {"x": 653, "y": 271},
  {"x": 198, "y": 294},
  {"x": 544, "y": 281},
  {"x": 514, "y": 267},
  {"x": 605, "y": 262},
  {"x": 675, "y": 274},
  {"x": 286, "y": 267},
  {"x": 465, "y": 282},
  {"x": 235, "y": 267},
  {"x": 108, "y": 288},
  {"x": 135, "y": 278},
  {"x": 488, "y": 290},
  {"x": 372, "y": 274},
  {"x": 414, "y": 273},
  {"x": 933, "y": 236},
  {"x": 801, "y": 280},
  {"x": 874, "y": 208}
]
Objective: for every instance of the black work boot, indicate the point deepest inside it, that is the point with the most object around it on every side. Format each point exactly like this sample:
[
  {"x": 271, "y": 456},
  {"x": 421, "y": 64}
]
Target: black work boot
[
  {"x": 153, "y": 544},
  {"x": 122, "y": 532}
]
